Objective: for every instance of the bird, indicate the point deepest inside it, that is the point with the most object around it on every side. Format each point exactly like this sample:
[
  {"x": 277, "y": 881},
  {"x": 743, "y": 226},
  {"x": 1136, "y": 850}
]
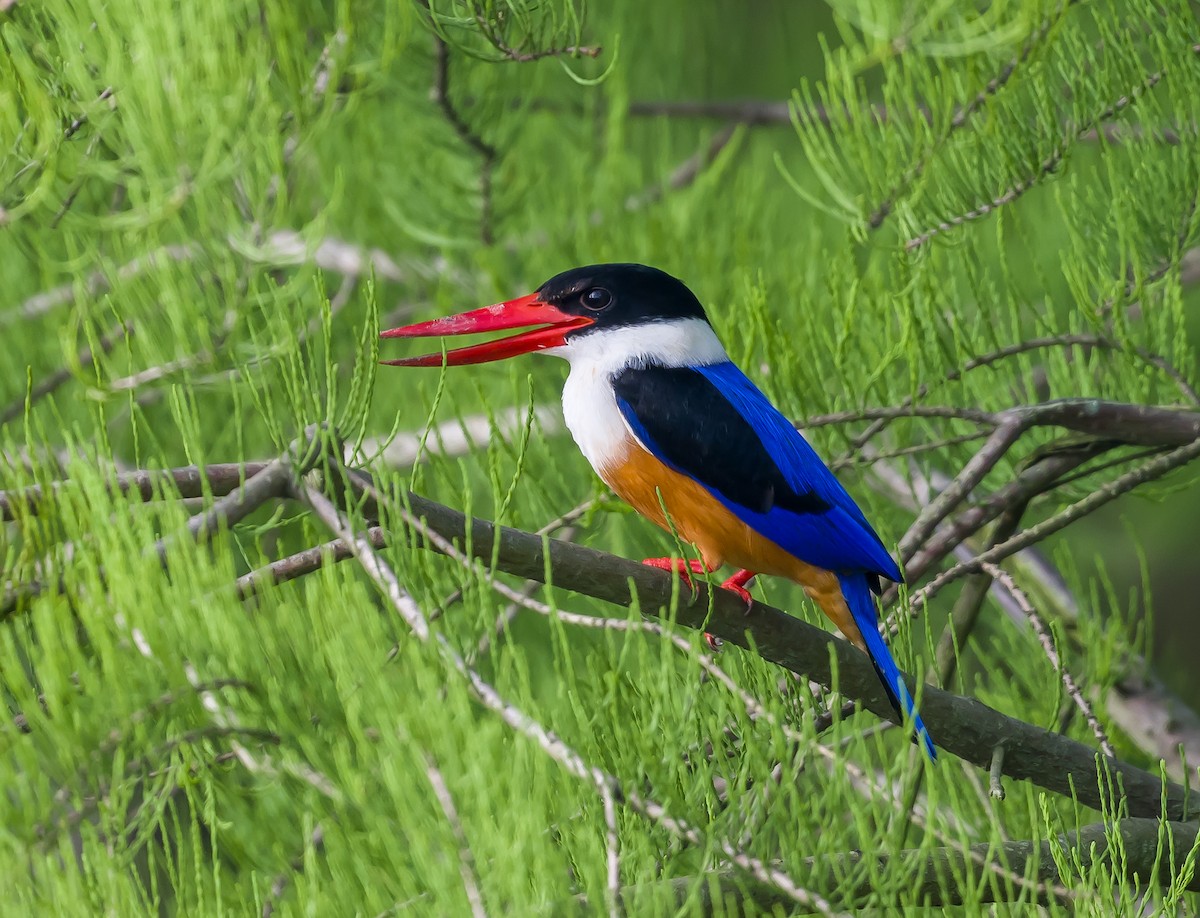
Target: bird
[{"x": 680, "y": 433}]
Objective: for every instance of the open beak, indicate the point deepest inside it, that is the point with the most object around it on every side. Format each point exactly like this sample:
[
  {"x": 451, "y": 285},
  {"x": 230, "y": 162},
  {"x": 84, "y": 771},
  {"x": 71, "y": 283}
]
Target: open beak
[{"x": 518, "y": 313}]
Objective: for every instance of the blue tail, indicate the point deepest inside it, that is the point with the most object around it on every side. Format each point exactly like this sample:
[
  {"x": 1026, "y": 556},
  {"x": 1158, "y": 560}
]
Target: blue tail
[{"x": 857, "y": 592}]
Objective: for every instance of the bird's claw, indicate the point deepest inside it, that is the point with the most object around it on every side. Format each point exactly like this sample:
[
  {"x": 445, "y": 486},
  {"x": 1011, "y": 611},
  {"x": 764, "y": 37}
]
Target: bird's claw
[
  {"x": 681, "y": 566},
  {"x": 737, "y": 584},
  {"x": 685, "y": 568}
]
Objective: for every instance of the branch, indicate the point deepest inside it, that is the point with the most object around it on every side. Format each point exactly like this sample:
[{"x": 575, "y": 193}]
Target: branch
[
  {"x": 1156, "y": 468},
  {"x": 466, "y": 859},
  {"x": 962, "y": 726},
  {"x": 1002, "y": 438},
  {"x": 467, "y": 134},
  {"x": 302, "y": 563},
  {"x": 1046, "y": 639},
  {"x": 684, "y": 174},
  {"x": 1035, "y": 480},
  {"x": 1047, "y": 166},
  {"x": 1033, "y": 344},
  {"x": 269, "y": 482},
  {"x": 520, "y": 57},
  {"x": 147, "y": 484},
  {"x": 969, "y": 604},
  {"x": 283, "y": 247}
]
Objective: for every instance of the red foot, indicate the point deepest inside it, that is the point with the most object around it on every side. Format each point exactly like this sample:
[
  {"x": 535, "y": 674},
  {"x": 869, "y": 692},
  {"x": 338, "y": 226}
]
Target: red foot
[
  {"x": 737, "y": 584},
  {"x": 680, "y": 566},
  {"x": 685, "y": 569}
]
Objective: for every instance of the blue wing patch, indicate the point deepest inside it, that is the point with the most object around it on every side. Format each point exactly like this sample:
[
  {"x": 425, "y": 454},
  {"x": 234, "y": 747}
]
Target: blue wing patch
[{"x": 714, "y": 425}]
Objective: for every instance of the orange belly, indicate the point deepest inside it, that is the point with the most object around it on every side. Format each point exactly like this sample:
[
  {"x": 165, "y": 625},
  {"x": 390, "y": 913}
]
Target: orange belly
[{"x": 650, "y": 487}]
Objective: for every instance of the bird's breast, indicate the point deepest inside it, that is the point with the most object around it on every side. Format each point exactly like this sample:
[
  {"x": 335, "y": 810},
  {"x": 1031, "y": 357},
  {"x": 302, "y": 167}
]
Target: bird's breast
[{"x": 596, "y": 423}]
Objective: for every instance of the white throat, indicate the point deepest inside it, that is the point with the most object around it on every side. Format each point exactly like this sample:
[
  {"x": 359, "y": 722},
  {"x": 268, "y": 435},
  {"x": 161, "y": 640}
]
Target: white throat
[{"x": 589, "y": 403}]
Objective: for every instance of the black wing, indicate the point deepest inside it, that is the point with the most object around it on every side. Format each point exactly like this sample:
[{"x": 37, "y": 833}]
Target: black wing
[{"x": 696, "y": 430}]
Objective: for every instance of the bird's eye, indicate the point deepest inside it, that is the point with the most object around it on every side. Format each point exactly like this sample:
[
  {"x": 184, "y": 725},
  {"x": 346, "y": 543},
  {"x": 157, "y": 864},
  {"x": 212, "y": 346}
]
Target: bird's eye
[{"x": 596, "y": 299}]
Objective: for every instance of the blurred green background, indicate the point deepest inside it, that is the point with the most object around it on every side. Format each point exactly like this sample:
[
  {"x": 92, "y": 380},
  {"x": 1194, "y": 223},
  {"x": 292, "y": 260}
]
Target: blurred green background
[{"x": 254, "y": 187}]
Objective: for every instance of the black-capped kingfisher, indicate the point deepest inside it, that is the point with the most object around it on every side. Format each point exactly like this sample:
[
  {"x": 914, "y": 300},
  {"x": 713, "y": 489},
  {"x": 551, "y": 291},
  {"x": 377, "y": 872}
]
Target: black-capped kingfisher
[{"x": 671, "y": 424}]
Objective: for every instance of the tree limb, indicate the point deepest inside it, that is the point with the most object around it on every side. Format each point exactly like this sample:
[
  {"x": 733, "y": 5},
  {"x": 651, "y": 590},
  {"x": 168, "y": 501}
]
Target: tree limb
[{"x": 962, "y": 726}]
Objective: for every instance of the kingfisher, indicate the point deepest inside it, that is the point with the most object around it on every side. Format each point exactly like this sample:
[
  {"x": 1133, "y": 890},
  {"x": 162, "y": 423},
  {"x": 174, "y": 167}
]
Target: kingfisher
[{"x": 681, "y": 434}]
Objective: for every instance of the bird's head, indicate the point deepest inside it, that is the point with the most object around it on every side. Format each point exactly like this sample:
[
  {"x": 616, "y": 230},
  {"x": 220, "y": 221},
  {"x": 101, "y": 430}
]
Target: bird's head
[{"x": 617, "y": 307}]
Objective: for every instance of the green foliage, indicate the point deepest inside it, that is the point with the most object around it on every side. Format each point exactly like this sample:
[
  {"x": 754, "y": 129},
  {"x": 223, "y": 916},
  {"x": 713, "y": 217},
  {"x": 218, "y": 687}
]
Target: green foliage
[{"x": 257, "y": 188}]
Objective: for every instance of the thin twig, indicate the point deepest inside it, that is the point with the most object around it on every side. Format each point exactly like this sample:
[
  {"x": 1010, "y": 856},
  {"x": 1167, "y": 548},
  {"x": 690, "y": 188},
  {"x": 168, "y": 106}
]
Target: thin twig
[
  {"x": 1001, "y": 439},
  {"x": 684, "y": 174},
  {"x": 229, "y": 510},
  {"x": 612, "y": 849},
  {"x": 1030, "y": 483},
  {"x": 996, "y": 773},
  {"x": 97, "y": 282},
  {"x": 302, "y": 563},
  {"x": 270, "y": 482},
  {"x": 1150, "y": 471},
  {"x": 467, "y": 134},
  {"x": 190, "y": 481},
  {"x": 967, "y": 607},
  {"x": 520, "y": 57},
  {"x": 1046, "y": 639}
]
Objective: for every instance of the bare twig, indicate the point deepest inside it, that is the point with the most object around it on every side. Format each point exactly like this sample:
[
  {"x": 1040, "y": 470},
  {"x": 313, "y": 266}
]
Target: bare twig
[
  {"x": 97, "y": 282},
  {"x": 282, "y": 247},
  {"x": 1003, "y": 437},
  {"x": 1154, "y": 469},
  {"x": 302, "y": 563},
  {"x": 240, "y": 502},
  {"x": 455, "y": 438},
  {"x": 1030, "y": 483},
  {"x": 467, "y": 134},
  {"x": 1046, "y": 639},
  {"x": 270, "y": 482},
  {"x": 685, "y": 173},
  {"x": 996, "y": 773},
  {"x": 190, "y": 481},
  {"x": 612, "y": 850},
  {"x": 969, "y": 604}
]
